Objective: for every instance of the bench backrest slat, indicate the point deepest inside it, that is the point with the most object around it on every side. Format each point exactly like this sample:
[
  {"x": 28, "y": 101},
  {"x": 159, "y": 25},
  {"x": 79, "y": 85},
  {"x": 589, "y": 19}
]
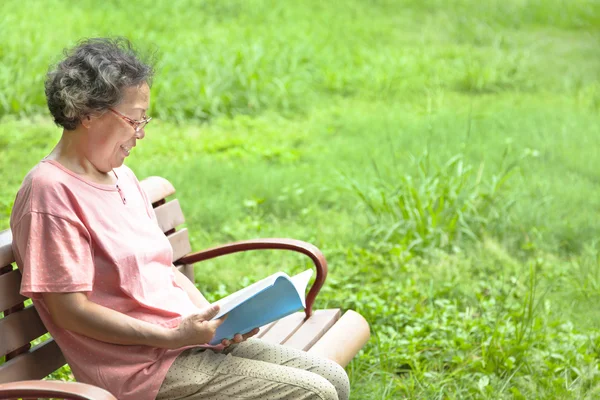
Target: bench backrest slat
[
  {"x": 20, "y": 328},
  {"x": 157, "y": 188},
  {"x": 169, "y": 215},
  {"x": 180, "y": 242},
  {"x": 10, "y": 283},
  {"x": 37, "y": 363},
  {"x": 6, "y": 253}
]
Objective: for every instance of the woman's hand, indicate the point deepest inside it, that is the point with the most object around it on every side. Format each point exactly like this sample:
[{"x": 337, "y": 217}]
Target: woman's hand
[
  {"x": 239, "y": 338},
  {"x": 196, "y": 329}
]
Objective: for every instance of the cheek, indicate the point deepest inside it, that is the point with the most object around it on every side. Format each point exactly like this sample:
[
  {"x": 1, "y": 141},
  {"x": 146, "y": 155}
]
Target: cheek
[{"x": 108, "y": 139}]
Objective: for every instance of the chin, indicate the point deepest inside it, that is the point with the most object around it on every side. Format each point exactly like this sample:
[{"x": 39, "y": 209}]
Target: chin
[{"x": 117, "y": 164}]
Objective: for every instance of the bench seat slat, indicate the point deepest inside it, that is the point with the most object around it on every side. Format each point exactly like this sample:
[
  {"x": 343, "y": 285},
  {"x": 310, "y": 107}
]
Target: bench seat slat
[
  {"x": 264, "y": 329},
  {"x": 284, "y": 328},
  {"x": 37, "y": 363},
  {"x": 20, "y": 328},
  {"x": 169, "y": 215},
  {"x": 313, "y": 329},
  {"x": 180, "y": 242},
  {"x": 10, "y": 283}
]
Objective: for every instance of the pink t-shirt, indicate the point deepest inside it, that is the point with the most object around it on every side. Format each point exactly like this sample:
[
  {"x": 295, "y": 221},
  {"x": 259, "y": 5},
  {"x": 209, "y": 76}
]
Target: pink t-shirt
[{"x": 73, "y": 235}]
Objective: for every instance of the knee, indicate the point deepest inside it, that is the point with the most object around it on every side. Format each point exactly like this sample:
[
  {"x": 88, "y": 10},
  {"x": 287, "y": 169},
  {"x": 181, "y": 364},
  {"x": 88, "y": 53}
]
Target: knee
[
  {"x": 321, "y": 389},
  {"x": 336, "y": 375}
]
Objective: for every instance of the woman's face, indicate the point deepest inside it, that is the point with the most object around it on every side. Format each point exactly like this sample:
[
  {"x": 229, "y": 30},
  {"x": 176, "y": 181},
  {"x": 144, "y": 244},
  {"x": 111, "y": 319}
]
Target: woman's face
[{"x": 111, "y": 138}]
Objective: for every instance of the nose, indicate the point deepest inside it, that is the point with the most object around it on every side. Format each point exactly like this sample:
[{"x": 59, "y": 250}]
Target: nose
[{"x": 140, "y": 134}]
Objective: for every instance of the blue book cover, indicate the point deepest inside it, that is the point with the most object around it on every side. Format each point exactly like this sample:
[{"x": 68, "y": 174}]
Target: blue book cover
[{"x": 263, "y": 302}]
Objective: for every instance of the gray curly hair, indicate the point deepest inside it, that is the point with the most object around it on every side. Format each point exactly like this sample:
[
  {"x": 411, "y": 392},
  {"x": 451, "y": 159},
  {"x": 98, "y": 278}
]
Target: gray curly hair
[{"x": 91, "y": 79}]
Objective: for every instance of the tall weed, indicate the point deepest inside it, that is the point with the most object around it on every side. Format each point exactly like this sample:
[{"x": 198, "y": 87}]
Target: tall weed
[{"x": 441, "y": 207}]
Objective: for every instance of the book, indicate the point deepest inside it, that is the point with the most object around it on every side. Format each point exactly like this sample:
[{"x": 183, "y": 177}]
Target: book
[{"x": 265, "y": 301}]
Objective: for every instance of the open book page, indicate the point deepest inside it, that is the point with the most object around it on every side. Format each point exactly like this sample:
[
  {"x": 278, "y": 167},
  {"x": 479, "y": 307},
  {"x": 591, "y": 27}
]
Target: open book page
[
  {"x": 229, "y": 302},
  {"x": 300, "y": 282},
  {"x": 268, "y": 300}
]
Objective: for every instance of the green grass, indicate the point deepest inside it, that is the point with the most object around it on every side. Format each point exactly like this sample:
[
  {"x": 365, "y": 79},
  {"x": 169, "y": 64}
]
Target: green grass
[{"x": 345, "y": 124}]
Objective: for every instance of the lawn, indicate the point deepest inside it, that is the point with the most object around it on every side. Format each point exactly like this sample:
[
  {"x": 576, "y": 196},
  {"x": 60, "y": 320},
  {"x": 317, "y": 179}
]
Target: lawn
[{"x": 443, "y": 155}]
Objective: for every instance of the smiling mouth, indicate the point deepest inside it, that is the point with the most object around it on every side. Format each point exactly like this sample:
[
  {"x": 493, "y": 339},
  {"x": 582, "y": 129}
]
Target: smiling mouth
[{"x": 126, "y": 149}]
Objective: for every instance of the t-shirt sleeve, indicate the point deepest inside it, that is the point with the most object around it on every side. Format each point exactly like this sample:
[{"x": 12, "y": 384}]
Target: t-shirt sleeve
[{"x": 55, "y": 255}]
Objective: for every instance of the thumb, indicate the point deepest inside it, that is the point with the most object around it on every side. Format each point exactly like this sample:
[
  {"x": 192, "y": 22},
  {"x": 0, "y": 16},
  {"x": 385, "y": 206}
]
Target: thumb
[
  {"x": 219, "y": 321},
  {"x": 209, "y": 312}
]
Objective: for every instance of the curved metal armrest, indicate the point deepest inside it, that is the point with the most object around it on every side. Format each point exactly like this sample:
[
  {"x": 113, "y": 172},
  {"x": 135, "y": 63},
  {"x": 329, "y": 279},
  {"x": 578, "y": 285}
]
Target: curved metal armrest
[
  {"x": 54, "y": 389},
  {"x": 270, "y": 244}
]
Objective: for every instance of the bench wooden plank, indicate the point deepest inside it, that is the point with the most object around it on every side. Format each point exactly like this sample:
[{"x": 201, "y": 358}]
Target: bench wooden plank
[
  {"x": 169, "y": 215},
  {"x": 344, "y": 339},
  {"x": 180, "y": 242},
  {"x": 10, "y": 284},
  {"x": 157, "y": 188},
  {"x": 20, "y": 328},
  {"x": 313, "y": 329},
  {"x": 284, "y": 328},
  {"x": 37, "y": 363},
  {"x": 6, "y": 253},
  {"x": 264, "y": 329}
]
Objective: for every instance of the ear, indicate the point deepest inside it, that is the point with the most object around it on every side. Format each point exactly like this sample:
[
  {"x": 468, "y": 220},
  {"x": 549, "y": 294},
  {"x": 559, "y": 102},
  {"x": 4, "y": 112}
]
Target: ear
[{"x": 88, "y": 121}]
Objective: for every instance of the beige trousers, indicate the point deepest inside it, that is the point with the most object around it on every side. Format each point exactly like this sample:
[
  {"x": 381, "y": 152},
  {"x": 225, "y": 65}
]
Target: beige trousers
[{"x": 254, "y": 369}]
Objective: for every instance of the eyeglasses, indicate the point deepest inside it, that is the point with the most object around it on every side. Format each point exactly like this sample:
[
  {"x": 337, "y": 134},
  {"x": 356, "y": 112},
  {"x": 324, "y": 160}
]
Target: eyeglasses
[{"x": 136, "y": 125}]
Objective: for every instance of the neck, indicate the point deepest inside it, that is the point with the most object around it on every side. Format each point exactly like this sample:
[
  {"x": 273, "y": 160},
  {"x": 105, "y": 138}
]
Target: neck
[{"x": 70, "y": 152}]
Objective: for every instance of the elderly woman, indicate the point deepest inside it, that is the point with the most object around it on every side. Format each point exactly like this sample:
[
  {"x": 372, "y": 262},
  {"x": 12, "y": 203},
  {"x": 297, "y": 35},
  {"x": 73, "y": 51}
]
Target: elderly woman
[{"x": 98, "y": 267}]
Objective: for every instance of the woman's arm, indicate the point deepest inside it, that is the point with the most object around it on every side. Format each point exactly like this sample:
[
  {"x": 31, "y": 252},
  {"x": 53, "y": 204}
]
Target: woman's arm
[
  {"x": 73, "y": 311},
  {"x": 193, "y": 293}
]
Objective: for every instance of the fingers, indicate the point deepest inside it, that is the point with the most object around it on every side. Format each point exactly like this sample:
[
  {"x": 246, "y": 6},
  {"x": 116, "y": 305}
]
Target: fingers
[
  {"x": 251, "y": 333},
  {"x": 217, "y": 347},
  {"x": 237, "y": 338}
]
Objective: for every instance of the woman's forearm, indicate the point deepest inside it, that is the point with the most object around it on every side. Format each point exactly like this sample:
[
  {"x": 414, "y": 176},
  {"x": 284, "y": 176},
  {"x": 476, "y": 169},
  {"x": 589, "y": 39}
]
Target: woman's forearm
[{"x": 74, "y": 312}]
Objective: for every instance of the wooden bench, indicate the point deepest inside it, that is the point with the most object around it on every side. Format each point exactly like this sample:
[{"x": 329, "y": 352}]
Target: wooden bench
[{"x": 323, "y": 332}]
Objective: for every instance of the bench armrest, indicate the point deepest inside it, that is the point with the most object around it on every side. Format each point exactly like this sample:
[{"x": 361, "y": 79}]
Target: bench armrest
[
  {"x": 270, "y": 244},
  {"x": 53, "y": 389}
]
